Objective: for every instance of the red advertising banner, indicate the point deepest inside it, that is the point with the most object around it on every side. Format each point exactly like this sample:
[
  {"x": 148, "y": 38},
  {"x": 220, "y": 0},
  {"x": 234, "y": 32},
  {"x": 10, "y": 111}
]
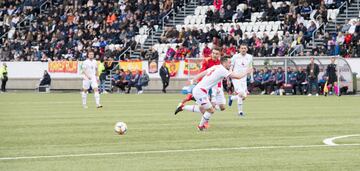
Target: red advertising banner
[
  {"x": 173, "y": 67},
  {"x": 63, "y": 67},
  {"x": 133, "y": 66},
  {"x": 192, "y": 67}
]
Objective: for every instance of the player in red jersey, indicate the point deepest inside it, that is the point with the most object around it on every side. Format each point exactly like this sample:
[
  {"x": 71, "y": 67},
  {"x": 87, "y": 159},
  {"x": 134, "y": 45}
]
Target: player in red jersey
[{"x": 206, "y": 64}]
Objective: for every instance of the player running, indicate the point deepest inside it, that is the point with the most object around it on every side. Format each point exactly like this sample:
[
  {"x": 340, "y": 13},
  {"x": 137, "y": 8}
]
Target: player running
[
  {"x": 239, "y": 64},
  {"x": 90, "y": 78},
  {"x": 206, "y": 64},
  {"x": 210, "y": 78}
]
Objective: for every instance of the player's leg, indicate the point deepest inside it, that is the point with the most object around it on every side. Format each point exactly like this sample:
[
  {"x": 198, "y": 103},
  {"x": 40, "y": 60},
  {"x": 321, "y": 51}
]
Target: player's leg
[
  {"x": 86, "y": 86},
  {"x": 209, "y": 111},
  {"x": 242, "y": 94},
  {"x": 96, "y": 93},
  {"x": 220, "y": 100},
  {"x": 192, "y": 108},
  {"x": 236, "y": 84}
]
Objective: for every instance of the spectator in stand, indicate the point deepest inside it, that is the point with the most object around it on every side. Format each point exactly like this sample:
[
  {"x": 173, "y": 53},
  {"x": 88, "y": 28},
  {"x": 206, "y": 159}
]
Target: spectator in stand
[
  {"x": 218, "y": 4},
  {"x": 206, "y": 51},
  {"x": 282, "y": 50},
  {"x": 170, "y": 53},
  {"x": 152, "y": 55},
  {"x": 345, "y": 28},
  {"x": 269, "y": 14},
  {"x": 310, "y": 31},
  {"x": 273, "y": 50},
  {"x": 312, "y": 72},
  {"x": 193, "y": 52},
  {"x": 306, "y": 10}
]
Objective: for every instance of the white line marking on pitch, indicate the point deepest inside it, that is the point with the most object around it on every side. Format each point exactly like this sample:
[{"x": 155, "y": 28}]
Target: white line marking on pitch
[
  {"x": 170, "y": 151},
  {"x": 330, "y": 141}
]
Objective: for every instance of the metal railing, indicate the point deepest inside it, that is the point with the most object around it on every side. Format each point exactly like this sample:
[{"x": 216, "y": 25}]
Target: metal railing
[
  {"x": 150, "y": 30},
  {"x": 167, "y": 14},
  {"x": 315, "y": 31},
  {"x": 129, "y": 48},
  {"x": 293, "y": 51},
  {"x": 43, "y": 4},
  {"x": 27, "y": 18},
  {"x": 342, "y": 5}
]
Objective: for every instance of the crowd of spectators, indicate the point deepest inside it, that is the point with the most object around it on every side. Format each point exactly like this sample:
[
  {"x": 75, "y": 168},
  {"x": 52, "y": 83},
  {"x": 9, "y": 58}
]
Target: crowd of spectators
[
  {"x": 297, "y": 27},
  {"x": 67, "y": 28}
]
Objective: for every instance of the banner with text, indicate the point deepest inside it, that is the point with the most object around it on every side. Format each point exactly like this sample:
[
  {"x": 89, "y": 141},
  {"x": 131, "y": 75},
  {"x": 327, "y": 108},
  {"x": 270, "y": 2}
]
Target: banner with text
[
  {"x": 133, "y": 66},
  {"x": 63, "y": 67},
  {"x": 192, "y": 67}
]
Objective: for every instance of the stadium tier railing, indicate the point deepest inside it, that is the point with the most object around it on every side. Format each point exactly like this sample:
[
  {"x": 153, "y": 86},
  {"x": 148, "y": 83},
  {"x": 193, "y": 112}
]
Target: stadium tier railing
[{"x": 43, "y": 4}]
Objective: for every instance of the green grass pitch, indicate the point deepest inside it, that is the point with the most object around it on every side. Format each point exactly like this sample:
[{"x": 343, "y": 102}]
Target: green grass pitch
[{"x": 68, "y": 137}]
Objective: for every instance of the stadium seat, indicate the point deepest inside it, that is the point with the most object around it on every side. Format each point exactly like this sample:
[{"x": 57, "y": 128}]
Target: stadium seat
[{"x": 197, "y": 11}]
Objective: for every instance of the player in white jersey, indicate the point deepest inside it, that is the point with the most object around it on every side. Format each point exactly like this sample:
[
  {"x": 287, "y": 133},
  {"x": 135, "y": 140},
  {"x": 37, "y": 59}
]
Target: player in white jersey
[
  {"x": 210, "y": 78},
  {"x": 239, "y": 63},
  {"x": 90, "y": 78},
  {"x": 217, "y": 93}
]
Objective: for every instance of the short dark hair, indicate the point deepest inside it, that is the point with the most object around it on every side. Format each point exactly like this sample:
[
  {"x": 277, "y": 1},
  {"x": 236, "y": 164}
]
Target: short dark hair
[
  {"x": 90, "y": 51},
  {"x": 243, "y": 44},
  {"x": 224, "y": 59},
  {"x": 217, "y": 48}
]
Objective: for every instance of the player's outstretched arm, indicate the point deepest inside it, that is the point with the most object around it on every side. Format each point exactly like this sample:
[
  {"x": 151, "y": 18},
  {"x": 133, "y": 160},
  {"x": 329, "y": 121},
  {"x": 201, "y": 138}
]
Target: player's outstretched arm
[
  {"x": 197, "y": 77},
  {"x": 241, "y": 75}
]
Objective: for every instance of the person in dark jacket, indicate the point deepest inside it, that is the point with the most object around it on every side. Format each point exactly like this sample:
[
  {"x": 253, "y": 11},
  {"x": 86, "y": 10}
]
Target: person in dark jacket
[
  {"x": 312, "y": 71},
  {"x": 279, "y": 78},
  {"x": 331, "y": 73},
  {"x": 133, "y": 81},
  {"x": 301, "y": 81},
  {"x": 165, "y": 77},
  {"x": 292, "y": 79},
  {"x": 142, "y": 82},
  {"x": 46, "y": 80}
]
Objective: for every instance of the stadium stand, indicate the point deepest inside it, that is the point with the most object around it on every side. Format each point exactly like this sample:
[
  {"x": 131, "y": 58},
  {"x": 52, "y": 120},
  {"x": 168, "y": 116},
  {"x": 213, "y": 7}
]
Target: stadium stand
[
  {"x": 127, "y": 29},
  {"x": 64, "y": 29},
  {"x": 298, "y": 28}
]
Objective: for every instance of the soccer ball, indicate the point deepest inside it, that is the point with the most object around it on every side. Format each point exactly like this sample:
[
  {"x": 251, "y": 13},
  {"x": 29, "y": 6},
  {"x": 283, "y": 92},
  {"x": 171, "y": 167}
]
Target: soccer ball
[{"x": 120, "y": 128}]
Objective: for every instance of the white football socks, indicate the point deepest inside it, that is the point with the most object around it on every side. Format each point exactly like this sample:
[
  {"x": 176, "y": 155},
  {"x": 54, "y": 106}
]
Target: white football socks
[
  {"x": 235, "y": 97},
  {"x": 240, "y": 104},
  {"x": 206, "y": 117},
  {"x": 192, "y": 108},
  {"x": 97, "y": 98},
  {"x": 83, "y": 96}
]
